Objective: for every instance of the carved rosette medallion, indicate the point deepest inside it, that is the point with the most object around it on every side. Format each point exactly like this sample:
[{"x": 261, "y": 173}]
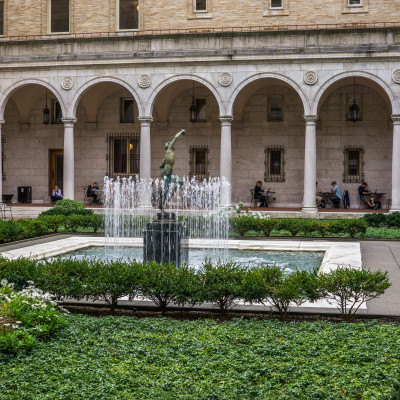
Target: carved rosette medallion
[
  {"x": 225, "y": 79},
  {"x": 67, "y": 83},
  {"x": 144, "y": 81},
  {"x": 310, "y": 77},
  {"x": 396, "y": 75}
]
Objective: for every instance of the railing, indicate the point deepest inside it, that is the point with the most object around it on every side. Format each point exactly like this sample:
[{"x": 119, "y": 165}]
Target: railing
[{"x": 188, "y": 31}]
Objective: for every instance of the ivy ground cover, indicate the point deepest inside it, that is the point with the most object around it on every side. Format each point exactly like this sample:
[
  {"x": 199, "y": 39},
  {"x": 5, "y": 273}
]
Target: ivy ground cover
[{"x": 162, "y": 358}]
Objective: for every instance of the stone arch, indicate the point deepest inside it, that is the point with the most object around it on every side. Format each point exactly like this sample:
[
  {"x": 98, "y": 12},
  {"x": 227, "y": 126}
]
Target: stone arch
[
  {"x": 19, "y": 84},
  {"x": 158, "y": 89},
  {"x": 265, "y": 75},
  {"x": 109, "y": 79},
  {"x": 379, "y": 84}
]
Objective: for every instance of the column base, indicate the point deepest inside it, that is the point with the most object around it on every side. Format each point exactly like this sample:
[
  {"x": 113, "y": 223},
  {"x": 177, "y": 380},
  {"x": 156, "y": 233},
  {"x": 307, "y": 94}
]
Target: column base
[
  {"x": 394, "y": 209},
  {"x": 309, "y": 212}
]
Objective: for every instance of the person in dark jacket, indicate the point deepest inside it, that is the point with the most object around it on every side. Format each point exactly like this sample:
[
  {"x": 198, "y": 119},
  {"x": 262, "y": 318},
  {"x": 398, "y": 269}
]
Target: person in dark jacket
[
  {"x": 365, "y": 195},
  {"x": 91, "y": 192},
  {"x": 258, "y": 194}
]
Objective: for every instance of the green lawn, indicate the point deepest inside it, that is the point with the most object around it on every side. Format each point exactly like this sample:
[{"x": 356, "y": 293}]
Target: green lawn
[{"x": 161, "y": 358}]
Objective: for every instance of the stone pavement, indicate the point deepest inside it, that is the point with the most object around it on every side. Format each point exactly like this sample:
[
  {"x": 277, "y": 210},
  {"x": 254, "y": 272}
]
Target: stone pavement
[{"x": 384, "y": 255}]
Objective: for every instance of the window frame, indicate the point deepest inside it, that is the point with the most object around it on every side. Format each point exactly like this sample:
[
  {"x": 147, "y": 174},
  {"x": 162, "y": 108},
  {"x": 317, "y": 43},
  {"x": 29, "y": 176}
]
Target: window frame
[
  {"x": 49, "y": 7},
  {"x": 269, "y": 101},
  {"x": 193, "y": 150},
  {"x": 360, "y": 4},
  {"x": 129, "y": 138},
  {"x": 271, "y": 7},
  {"x": 353, "y": 178},
  {"x": 268, "y": 175},
  {"x": 196, "y": 11},
  {"x": 117, "y": 15},
  {"x": 2, "y": 22},
  {"x": 122, "y": 119},
  {"x": 53, "y": 117}
]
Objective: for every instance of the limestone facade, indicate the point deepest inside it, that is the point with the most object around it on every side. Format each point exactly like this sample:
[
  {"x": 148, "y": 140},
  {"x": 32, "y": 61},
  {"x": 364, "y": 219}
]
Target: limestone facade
[
  {"x": 31, "y": 17},
  {"x": 314, "y": 73}
]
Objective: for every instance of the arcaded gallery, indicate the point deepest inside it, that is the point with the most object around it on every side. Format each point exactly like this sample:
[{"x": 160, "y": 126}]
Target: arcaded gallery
[{"x": 281, "y": 91}]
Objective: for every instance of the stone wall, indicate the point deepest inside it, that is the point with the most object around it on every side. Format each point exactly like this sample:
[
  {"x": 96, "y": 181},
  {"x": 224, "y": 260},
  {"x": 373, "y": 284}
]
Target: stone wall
[{"x": 30, "y": 17}]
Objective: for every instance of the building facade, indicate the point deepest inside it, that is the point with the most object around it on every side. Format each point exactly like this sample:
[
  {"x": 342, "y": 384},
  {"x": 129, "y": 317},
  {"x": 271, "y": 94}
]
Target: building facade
[{"x": 295, "y": 93}]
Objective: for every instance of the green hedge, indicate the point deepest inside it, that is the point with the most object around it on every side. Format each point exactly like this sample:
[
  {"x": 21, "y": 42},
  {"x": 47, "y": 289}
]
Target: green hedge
[
  {"x": 264, "y": 225},
  {"x": 221, "y": 284}
]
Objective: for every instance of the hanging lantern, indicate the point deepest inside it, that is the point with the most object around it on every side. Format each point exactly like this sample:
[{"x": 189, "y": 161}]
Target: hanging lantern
[
  {"x": 46, "y": 113},
  {"x": 193, "y": 109},
  {"x": 354, "y": 110}
]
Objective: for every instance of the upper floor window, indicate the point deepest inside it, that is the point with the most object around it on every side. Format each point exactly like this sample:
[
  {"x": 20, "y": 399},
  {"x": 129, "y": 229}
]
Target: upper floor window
[
  {"x": 127, "y": 114},
  {"x": 123, "y": 154},
  {"x": 275, "y": 4},
  {"x": 1, "y": 17},
  {"x": 128, "y": 14},
  {"x": 200, "y": 6},
  {"x": 59, "y": 16},
  {"x": 353, "y": 3},
  {"x": 275, "y": 107},
  {"x": 56, "y": 112}
]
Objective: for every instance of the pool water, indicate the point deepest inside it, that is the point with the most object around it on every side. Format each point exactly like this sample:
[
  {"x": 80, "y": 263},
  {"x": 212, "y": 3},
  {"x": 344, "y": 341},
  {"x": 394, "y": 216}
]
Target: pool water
[{"x": 290, "y": 260}]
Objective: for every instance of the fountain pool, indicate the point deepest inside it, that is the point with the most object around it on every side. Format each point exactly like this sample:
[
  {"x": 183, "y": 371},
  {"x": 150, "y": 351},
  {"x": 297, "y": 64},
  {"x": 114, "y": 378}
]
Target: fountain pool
[{"x": 289, "y": 260}]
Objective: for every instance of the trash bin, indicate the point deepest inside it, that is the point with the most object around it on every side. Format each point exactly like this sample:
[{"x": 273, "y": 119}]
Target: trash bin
[{"x": 24, "y": 194}]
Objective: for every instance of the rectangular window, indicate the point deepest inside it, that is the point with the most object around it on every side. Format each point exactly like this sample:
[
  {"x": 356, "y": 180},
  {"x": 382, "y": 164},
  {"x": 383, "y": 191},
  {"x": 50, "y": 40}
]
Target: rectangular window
[
  {"x": 200, "y": 5},
  {"x": 353, "y": 164},
  {"x": 56, "y": 113},
  {"x": 201, "y": 107},
  {"x": 274, "y": 164},
  {"x": 128, "y": 14},
  {"x": 275, "y": 4},
  {"x": 123, "y": 154},
  {"x": 59, "y": 16},
  {"x": 198, "y": 162},
  {"x": 275, "y": 107},
  {"x": 127, "y": 107},
  {"x": 1, "y": 17},
  {"x": 354, "y": 3}
]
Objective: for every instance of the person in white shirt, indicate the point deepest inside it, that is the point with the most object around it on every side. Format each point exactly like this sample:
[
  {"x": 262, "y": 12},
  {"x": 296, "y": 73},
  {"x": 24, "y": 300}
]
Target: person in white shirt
[{"x": 56, "y": 194}]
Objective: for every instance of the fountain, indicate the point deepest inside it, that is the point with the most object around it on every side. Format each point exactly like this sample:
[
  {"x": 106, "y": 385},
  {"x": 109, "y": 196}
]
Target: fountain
[{"x": 188, "y": 209}]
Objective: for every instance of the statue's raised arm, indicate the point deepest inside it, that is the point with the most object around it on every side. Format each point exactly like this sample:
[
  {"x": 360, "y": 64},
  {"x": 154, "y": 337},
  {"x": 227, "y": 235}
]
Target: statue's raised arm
[{"x": 169, "y": 158}]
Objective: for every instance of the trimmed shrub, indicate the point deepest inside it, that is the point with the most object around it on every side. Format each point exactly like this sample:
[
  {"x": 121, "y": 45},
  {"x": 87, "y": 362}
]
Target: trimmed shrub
[
  {"x": 393, "y": 220},
  {"x": 351, "y": 288},
  {"x": 222, "y": 283},
  {"x": 53, "y": 222},
  {"x": 243, "y": 224},
  {"x": 10, "y": 231},
  {"x": 67, "y": 207},
  {"x": 293, "y": 225},
  {"x": 375, "y": 219},
  {"x": 19, "y": 271},
  {"x": 266, "y": 225}
]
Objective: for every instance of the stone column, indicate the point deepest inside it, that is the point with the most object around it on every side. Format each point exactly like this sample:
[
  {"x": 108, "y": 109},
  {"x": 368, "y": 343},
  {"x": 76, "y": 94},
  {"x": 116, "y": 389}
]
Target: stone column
[
  {"x": 396, "y": 165},
  {"x": 1, "y": 162},
  {"x": 69, "y": 159},
  {"x": 226, "y": 159},
  {"x": 310, "y": 167},
  {"x": 145, "y": 160}
]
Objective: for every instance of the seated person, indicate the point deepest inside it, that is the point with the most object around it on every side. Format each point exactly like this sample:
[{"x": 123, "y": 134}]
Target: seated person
[
  {"x": 56, "y": 194},
  {"x": 365, "y": 195},
  {"x": 258, "y": 194},
  {"x": 91, "y": 192},
  {"x": 318, "y": 198},
  {"x": 336, "y": 194}
]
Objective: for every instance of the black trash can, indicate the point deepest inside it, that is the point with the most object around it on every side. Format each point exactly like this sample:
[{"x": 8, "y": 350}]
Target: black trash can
[{"x": 24, "y": 194}]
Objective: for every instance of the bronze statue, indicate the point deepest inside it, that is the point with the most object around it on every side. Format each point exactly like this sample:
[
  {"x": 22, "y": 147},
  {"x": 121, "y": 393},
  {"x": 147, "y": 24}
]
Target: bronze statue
[{"x": 166, "y": 170}]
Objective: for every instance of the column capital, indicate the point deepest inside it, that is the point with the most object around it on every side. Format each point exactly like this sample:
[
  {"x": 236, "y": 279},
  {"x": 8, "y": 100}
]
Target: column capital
[
  {"x": 68, "y": 122},
  {"x": 311, "y": 120},
  {"x": 226, "y": 119},
  {"x": 396, "y": 119},
  {"x": 145, "y": 121}
]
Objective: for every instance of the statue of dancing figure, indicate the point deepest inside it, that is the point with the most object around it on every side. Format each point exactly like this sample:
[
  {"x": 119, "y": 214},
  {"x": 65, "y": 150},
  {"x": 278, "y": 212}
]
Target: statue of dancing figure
[{"x": 166, "y": 170}]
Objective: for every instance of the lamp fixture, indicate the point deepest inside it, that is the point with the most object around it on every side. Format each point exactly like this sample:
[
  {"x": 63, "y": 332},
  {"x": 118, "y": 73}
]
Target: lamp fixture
[
  {"x": 354, "y": 110},
  {"x": 46, "y": 113},
  {"x": 193, "y": 109}
]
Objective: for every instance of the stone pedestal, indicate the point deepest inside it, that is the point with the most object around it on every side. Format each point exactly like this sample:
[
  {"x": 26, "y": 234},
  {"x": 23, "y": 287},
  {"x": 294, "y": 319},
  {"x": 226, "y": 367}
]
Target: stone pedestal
[{"x": 164, "y": 240}]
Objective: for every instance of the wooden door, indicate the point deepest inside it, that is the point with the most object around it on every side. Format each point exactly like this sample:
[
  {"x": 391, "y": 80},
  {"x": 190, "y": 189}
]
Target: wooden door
[{"x": 56, "y": 169}]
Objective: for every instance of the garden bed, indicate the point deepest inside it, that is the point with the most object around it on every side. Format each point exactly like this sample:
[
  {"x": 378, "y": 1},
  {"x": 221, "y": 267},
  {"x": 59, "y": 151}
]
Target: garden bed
[{"x": 163, "y": 358}]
